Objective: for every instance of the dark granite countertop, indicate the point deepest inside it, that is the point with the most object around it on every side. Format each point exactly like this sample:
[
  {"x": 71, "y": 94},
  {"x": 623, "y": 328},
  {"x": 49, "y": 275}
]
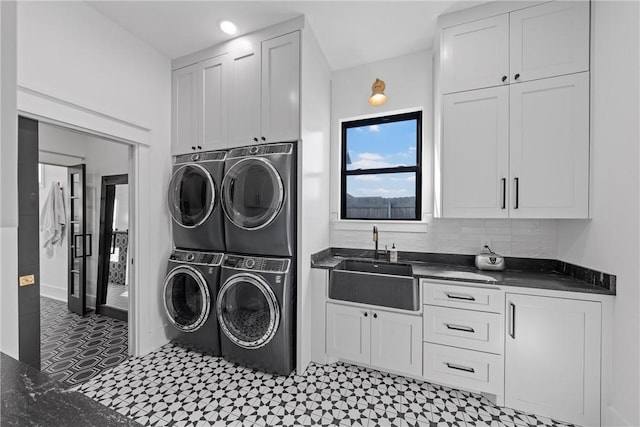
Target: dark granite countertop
[
  {"x": 31, "y": 398},
  {"x": 520, "y": 272}
]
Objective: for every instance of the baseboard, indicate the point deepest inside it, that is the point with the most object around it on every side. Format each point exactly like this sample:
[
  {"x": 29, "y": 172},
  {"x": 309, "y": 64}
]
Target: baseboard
[
  {"x": 615, "y": 419},
  {"x": 53, "y": 292}
]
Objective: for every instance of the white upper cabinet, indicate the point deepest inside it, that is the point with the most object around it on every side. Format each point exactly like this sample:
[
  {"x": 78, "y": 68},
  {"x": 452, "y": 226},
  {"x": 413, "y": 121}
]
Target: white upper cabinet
[
  {"x": 212, "y": 92},
  {"x": 244, "y": 97},
  {"x": 552, "y": 358},
  {"x": 542, "y": 41},
  {"x": 549, "y": 136},
  {"x": 551, "y": 39},
  {"x": 265, "y": 93},
  {"x": 476, "y": 55},
  {"x": 249, "y": 94},
  {"x": 185, "y": 109},
  {"x": 518, "y": 149},
  {"x": 281, "y": 88},
  {"x": 475, "y": 153}
]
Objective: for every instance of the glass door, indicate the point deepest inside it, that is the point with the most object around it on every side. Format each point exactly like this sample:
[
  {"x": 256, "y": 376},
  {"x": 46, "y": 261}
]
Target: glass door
[
  {"x": 248, "y": 311},
  {"x": 192, "y": 196},
  {"x": 79, "y": 240},
  {"x": 187, "y": 300},
  {"x": 252, "y": 193}
]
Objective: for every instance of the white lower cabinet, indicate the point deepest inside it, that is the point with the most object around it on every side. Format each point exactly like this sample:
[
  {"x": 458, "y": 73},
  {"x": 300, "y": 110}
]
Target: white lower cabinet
[
  {"x": 552, "y": 357},
  {"x": 464, "y": 336},
  {"x": 474, "y": 330},
  {"x": 348, "y": 333},
  {"x": 382, "y": 339},
  {"x": 396, "y": 342},
  {"x": 462, "y": 368}
]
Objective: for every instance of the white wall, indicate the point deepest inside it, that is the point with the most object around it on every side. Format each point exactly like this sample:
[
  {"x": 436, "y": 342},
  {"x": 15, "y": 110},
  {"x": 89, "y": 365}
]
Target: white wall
[
  {"x": 610, "y": 240},
  {"x": 8, "y": 182},
  {"x": 409, "y": 85},
  {"x": 54, "y": 270},
  {"x": 313, "y": 175},
  {"x": 121, "y": 208},
  {"x": 77, "y": 67}
]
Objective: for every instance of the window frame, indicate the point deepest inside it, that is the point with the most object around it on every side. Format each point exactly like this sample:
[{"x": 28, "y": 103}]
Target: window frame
[{"x": 417, "y": 169}]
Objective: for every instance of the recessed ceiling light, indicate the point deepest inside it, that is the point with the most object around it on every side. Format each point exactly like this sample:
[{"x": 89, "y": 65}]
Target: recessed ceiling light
[{"x": 227, "y": 27}]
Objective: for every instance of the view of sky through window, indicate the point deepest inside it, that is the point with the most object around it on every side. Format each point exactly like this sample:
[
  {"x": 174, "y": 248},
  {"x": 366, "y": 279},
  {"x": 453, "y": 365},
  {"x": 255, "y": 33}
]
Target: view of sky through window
[{"x": 377, "y": 146}]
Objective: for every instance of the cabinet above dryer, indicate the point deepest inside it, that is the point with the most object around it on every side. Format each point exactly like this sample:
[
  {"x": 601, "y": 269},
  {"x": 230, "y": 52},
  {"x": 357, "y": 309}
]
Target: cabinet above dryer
[{"x": 249, "y": 93}]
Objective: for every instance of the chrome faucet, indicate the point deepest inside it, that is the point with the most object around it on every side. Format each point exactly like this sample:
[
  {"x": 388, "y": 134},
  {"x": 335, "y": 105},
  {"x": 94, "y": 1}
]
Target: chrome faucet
[{"x": 375, "y": 240}]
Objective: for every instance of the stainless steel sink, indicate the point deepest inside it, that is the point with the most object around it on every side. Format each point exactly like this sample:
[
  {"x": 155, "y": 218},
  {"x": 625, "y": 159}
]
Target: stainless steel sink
[{"x": 377, "y": 283}]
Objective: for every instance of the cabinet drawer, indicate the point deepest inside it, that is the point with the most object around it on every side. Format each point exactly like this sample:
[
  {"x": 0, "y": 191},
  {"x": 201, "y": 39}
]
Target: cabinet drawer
[
  {"x": 463, "y": 328},
  {"x": 457, "y": 296},
  {"x": 466, "y": 369}
]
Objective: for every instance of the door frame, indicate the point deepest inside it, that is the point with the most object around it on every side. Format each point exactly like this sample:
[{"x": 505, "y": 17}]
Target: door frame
[
  {"x": 55, "y": 111},
  {"x": 106, "y": 220}
]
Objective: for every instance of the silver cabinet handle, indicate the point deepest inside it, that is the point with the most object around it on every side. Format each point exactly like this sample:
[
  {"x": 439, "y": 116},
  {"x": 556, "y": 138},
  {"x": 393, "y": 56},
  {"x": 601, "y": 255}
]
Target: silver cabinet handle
[
  {"x": 459, "y": 328},
  {"x": 460, "y": 368},
  {"x": 516, "y": 203},
  {"x": 504, "y": 193},
  {"x": 461, "y": 297},
  {"x": 512, "y": 320}
]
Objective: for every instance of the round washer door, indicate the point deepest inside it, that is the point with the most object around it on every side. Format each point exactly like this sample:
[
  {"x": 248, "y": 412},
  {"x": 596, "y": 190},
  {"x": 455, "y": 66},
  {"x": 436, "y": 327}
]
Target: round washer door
[
  {"x": 248, "y": 311},
  {"x": 187, "y": 300},
  {"x": 252, "y": 193},
  {"x": 191, "y": 196}
]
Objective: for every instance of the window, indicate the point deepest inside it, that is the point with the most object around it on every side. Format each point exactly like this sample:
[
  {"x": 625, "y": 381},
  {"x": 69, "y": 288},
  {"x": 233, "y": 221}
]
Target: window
[{"x": 381, "y": 168}]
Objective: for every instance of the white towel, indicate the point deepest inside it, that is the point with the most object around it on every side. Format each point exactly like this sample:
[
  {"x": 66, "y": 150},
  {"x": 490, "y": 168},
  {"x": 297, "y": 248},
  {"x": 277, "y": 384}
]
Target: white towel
[{"x": 53, "y": 219}]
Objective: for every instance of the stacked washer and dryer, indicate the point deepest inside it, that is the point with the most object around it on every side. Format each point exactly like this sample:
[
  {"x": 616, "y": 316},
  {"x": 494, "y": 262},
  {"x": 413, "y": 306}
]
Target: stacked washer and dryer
[{"x": 230, "y": 284}]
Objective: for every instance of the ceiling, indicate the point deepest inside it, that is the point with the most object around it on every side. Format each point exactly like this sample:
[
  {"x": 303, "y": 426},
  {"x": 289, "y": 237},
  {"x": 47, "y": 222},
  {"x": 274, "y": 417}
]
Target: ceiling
[{"x": 350, "y": 33}]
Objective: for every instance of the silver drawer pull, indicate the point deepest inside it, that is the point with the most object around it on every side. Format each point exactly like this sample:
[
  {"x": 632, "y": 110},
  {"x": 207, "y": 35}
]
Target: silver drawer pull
[
  {"x": 460, "y": 368},
  {"x": 462, "y": 297},
  {"x": 459, "y": 328}
]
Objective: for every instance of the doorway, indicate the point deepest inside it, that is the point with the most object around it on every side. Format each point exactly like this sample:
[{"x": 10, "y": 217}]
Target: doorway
[{"x": 74, "y": 348}]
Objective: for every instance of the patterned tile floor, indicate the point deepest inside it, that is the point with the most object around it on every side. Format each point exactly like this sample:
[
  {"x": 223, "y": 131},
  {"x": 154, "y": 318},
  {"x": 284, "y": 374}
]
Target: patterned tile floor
[
  {"x": 175, "y": 386},
  {"x": 75, "y": 349}
]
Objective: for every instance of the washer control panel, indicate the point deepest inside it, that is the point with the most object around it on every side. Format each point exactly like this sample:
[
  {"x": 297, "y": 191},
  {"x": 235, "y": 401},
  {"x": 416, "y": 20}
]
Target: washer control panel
[{"x": 274, "y": 265}]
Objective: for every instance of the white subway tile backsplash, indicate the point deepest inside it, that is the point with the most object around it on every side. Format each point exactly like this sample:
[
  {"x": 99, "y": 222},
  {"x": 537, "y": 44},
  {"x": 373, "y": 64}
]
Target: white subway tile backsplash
[{"x": 521, "y": 238}]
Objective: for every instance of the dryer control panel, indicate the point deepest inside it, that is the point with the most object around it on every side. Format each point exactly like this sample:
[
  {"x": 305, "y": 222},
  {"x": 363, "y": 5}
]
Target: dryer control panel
[
  {"x": 196, "y": 257},
  {"x": 271, "y": 265}
]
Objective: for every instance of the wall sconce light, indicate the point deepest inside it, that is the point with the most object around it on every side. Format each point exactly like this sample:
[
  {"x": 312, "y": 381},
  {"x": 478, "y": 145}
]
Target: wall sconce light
[{"x": 377, "y": 93}]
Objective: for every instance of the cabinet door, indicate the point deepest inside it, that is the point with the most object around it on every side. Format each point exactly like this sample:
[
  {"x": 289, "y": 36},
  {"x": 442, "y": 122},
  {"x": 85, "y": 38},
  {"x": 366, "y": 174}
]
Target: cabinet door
[
  {"x": 475, "y": 55},
  {"x": 549, "y": 137},
  {"x": 281, "y": 88},
  {"x": 549, "y": 40},
  {"x": 185, "y": 109},
  {"x": 244, "y": 98},
  {"x": 212, "y": 101},
  {"x": 552, "y": 358},
  {"x": 348, "y": 333},
  {"x": 396, "y": 342},
  {"x": 475, "y": 154}
]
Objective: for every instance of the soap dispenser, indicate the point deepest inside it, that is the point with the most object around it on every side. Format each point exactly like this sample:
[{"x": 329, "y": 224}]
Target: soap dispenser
[{"x": 393, "y": 253}]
